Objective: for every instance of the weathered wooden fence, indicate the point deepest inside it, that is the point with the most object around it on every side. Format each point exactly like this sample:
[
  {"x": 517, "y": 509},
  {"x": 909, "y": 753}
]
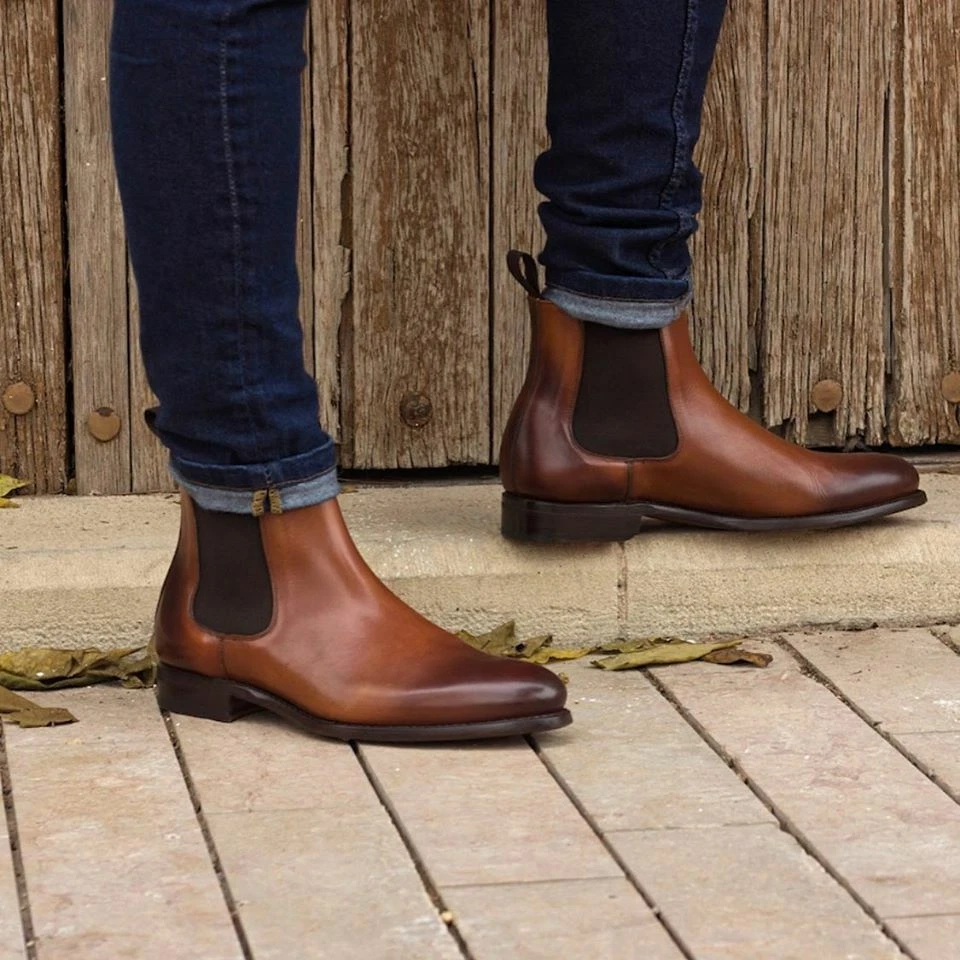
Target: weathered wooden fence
[{"x": 827, "y": 295}]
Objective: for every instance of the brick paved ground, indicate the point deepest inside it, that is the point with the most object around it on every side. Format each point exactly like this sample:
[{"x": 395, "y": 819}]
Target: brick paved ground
[{"x": 808, "y": 810}]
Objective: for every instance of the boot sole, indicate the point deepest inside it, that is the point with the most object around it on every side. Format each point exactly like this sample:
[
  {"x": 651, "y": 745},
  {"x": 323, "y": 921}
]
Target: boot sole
[
  {"x": 542, "y": 521},
  {"x": 184, "y": 692}
]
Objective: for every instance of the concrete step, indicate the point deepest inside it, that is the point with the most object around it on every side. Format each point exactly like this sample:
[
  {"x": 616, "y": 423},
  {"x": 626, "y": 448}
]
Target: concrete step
[{"x": 85, "y": 571}]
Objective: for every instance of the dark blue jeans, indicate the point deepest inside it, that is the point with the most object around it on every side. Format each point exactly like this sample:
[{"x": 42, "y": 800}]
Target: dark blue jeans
[{"x": 205, "y": 110}]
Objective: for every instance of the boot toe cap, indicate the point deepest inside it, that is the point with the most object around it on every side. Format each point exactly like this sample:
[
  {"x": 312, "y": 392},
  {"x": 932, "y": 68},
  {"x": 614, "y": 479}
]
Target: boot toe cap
[
  {"x": 541, "y": 691},
  {"x": 494, "y": 689},
  {"x": 874, "y": 478}
]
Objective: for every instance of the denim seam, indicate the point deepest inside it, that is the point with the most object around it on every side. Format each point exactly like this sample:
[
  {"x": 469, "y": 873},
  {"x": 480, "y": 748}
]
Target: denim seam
[
  {"x": 681, "y": 137},
  {"x": 237, "y": 232}
]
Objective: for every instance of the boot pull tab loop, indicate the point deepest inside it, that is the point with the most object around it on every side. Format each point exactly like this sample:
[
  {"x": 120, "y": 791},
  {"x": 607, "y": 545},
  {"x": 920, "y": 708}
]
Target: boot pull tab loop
[{"x": 524, "y": 270}]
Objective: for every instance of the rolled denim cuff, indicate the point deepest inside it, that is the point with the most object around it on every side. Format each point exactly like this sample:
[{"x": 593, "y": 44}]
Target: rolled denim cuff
[
  {"x": 288, "y": 484},
  {"x": 642, "y": 313}
]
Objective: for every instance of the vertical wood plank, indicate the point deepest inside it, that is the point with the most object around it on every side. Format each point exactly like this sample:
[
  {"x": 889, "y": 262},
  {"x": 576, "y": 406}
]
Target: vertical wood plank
[
  {"x": 926, "y": 226},
  {"x": 726, "y": 251},
  {"x": 823, "y": 278},
  {"x": 420, "y": 326},
  {"x": 330, "y": 186},
  {"x": 519, "y": 135},
  {"x": 98, "y": 261},
  {"x": 32, "y": 443}
]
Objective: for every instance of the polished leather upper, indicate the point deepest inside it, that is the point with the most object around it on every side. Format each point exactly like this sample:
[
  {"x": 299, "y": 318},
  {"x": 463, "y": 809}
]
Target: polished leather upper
[
  {"x": 340, "y": 645},
  {"x": 724, "y": 463}
]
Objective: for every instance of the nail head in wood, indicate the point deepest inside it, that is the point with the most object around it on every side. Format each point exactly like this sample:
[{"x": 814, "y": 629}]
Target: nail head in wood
[
  {"x": 826, "y": 395},
  {"x": 19, "y": 398},
  {"x": 950, "y": 387},
  {"x": 416, "y": 409},
  {"x": 104, "y": 424}
]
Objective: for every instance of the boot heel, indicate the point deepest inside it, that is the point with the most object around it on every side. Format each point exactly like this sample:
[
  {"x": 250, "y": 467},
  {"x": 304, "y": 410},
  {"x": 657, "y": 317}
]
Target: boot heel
[
  {"x": 192, "y": 694},
  {"x": 541, "y": 521}
]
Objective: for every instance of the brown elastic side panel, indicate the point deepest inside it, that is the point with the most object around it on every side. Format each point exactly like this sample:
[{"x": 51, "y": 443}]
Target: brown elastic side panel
[
  {"x": 234, "y": 594},
  {"x": 623, "y": 405}
]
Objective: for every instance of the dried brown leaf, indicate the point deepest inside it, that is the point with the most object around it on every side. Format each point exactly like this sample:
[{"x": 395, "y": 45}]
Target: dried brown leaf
[
  {"x": 26, "y": 713},
  {"x": 502, "y": 641},
  {"x": 732, "y": 655},
  {"x": 51, "y": 669},
  {"x": 662, "y": 653}
]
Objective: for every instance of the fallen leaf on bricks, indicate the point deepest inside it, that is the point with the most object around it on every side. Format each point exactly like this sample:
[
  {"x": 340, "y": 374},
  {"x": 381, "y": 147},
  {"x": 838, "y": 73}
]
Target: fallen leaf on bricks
[
  {"x": 503, "y": 641},
  {"x": 26, "y": 713},
  {"x": 671, "y": 651},
  {"x": 630, "y": 654},
  {"x": 8, "y": 485},
  {"x": 49, "y": 669},
  {"x": 731, "y": 655}
]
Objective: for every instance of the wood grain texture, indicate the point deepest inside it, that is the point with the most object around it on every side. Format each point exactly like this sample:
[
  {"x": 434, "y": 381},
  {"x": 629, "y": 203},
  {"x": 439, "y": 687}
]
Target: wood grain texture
[
  {"x": 98, "y": 260},
  {"x": 824, "y": 282},
  {"x": 726, "y": 250},
  {"x": 926, "y": 225},
  {"x": 519, "y": 85},
  {"x": 830, "y": 229},
  {"x": 330, "y": 187},
  {"x": 420, "y": 147},
  {"x": 32, "y": 445}
]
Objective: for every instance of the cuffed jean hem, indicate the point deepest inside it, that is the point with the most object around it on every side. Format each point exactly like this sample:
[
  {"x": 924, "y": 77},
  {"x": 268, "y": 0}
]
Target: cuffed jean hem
[
  {"x": 271, "y": 497},
  {"x": 624, "y": 312}
]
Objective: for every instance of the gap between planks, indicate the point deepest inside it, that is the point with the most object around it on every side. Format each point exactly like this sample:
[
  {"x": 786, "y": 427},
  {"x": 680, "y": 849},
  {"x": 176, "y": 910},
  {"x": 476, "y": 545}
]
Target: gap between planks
[
  {"x": 612, "y": 852},
  {"x": 13, "y": 838},
  {"x": 432, "y": 890},
  {"x": 815, "y": 673},
  {"x": 212, "y": 852}
]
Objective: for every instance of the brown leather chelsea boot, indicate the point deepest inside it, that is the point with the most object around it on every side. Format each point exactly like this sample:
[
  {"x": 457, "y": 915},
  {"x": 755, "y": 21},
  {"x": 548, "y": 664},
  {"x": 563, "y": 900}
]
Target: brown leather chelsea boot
[
  {"x": 617, "y": 427},
  {"x": 281, "y": 613}
]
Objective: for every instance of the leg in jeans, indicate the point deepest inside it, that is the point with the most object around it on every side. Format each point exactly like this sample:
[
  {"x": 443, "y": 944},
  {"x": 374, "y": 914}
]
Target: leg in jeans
[
  {"x": 627, "y": 82},
  {"x": 617, "y": 423},
  {"x": 205, "y": 107},
  {"x": 267, "y": 603}
]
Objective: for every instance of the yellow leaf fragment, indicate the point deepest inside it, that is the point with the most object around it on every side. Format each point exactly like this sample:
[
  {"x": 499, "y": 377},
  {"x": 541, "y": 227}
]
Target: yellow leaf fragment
[
  {"x": 630, "y": 654},
  {"x": 8, "y": 485},
  {"x": 51, "y": 669},
  {"x": 503, "y": 641},
  {"x": 26, "y": 713}
]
